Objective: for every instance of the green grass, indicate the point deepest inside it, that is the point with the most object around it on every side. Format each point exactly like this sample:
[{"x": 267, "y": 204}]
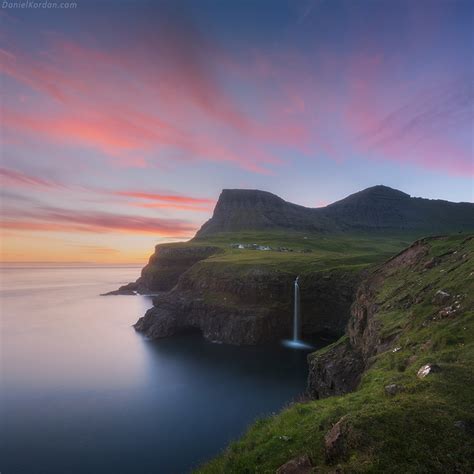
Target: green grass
[
  {"x": 413, "y": 431},
  {"x": 348, "y": 252}
]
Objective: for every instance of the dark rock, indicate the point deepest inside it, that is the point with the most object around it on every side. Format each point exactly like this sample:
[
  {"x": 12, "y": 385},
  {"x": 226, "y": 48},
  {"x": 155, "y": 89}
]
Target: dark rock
[
  {"x": 165, "y": 267},
  {"x": 441, "y": 297},
  {"x": 334, "y": 372},
  {"x": 393, "y": 389},
  {"x": 128, "y": 289},
  {"x": 299, "y": 465},
  {"x": 465, "y": 425},
  {"x": 336, "y": 441},
  {"x": 250, "y": 308}
]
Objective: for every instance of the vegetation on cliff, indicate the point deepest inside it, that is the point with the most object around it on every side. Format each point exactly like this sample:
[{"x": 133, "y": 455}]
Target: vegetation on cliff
[{"x": 413, "y": 329}]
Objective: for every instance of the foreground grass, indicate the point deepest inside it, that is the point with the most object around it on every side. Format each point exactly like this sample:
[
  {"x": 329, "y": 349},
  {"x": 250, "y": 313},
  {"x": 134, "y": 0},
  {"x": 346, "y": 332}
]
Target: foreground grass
[{"x": 426, "y": 427}]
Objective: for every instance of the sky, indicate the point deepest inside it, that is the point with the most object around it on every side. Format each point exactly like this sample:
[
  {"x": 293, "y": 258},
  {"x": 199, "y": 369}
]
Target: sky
[{"x": 122, "y": 121}]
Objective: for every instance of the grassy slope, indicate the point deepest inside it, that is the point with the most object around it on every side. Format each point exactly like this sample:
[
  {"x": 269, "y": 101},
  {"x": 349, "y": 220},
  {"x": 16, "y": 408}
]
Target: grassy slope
[
  {"x": 327, "y": 252},
  {"x": 413, "y": 431}
]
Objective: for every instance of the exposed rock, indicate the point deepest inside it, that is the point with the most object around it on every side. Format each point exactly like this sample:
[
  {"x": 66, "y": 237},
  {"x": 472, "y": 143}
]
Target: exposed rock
[
  {"x": 249, "y": 308},
  {"x": 441, "y": 297},
  {"x": 334, "y": 372},
  {"x": 430, "y": 263},
  {"x": 338, "y": 370},
  {"x": 128, "y": 289},
  {"x": 165, "y": 267},
  {"x": 335, "y": 441},
  {"x": 447, "y": 312},
  {"x": 427, "y": 369},
  {"x": 393, "y": 389},
  {"x": 299, "y": 465}
]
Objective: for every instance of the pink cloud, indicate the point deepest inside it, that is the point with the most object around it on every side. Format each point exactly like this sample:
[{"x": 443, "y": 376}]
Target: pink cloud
[
  {"x": 9, "y": 177},
  {"x": 70, "y": 220}
]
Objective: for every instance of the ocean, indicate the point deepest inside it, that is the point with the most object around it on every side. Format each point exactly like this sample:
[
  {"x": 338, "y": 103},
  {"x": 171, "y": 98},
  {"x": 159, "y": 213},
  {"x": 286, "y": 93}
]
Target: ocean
[{"x": 82, "y": 392}]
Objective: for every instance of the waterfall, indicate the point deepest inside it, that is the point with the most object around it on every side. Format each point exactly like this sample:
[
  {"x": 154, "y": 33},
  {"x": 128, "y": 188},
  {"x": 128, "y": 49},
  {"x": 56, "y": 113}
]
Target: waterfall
[
  {"x": 296, "y": 313},
  {"x": 296, "y": 342}
]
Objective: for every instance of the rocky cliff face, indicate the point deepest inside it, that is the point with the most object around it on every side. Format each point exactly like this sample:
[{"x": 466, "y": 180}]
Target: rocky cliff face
[
  {"x": 165, "y": 267},
  {"x": 338, "y": 370},
  {"x": 249, "y": 308}
]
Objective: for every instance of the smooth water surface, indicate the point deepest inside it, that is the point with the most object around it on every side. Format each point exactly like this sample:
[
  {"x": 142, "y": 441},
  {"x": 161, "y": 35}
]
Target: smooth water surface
[{"x": 81, "y": 392}]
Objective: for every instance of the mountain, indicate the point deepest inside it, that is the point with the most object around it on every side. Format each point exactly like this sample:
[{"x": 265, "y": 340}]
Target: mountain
[
  {"x": 248, "y": 209},
  {"x": 378, "y": 209}
]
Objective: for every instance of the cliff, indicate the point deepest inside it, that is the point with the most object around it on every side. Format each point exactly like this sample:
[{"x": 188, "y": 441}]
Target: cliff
[
  {"x": 250, "y": 306},
  {"x": 394, "y": 394},
  {"x": 165, "y": 266},
  {"x": 259, "y": 215}
]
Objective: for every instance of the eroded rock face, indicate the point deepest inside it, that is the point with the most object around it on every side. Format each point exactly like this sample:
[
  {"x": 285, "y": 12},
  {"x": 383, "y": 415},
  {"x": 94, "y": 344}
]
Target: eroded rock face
[
  {"x": 338, "y": 370},
  {"x": 249, "y": 308},
  {"x": 165, "y": 267},
  {"x": 174, "y": 313},
  {"x": 334, "y": 372}
]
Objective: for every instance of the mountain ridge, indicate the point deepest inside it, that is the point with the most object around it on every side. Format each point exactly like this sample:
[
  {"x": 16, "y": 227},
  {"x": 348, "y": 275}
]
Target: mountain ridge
[{"x": 378, "y": 208}]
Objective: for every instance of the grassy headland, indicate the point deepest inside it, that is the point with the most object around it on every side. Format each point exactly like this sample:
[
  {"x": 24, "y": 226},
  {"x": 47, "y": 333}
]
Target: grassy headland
[{"x": 426, "y": 424}]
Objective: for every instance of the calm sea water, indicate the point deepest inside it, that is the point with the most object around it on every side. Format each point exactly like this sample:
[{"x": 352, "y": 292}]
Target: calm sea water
[{"x": 81, "y": 392}]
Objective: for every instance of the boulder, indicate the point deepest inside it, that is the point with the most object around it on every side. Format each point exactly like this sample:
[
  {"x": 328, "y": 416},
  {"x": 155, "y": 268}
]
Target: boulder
[
  {"x": 392, "y": 389},
  {"x": 299, "y": 465},
  {"x": 441, "y": 297},
  {"x": 335, "y": 441}
]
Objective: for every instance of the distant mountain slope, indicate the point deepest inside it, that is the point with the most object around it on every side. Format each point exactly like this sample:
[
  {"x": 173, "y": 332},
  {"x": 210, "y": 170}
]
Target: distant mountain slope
[{"x": 378, "y": 208}]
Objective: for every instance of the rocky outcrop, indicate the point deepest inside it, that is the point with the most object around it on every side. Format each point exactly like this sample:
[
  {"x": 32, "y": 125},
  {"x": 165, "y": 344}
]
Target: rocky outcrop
[
  {"x": 249, "y": 307},
  {"x": 338, "y": 369},
  {"x": 165, "y": 267},
  {"x": 336, "y": 441},
  {"x": 299, "y": 465},
  {"x": 335, "y": 371}
]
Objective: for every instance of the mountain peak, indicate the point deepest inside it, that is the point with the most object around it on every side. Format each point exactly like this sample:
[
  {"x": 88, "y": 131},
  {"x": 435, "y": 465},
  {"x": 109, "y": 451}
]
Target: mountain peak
[
  {"x": 375, "y": 209},
  {"x": 246, "y": 195},
  {"x": 374, "y": 193}
]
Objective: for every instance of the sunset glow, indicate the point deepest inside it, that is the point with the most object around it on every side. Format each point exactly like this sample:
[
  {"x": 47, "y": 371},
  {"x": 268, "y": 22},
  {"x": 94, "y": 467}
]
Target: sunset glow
[{"x": 111, "y": 145}]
